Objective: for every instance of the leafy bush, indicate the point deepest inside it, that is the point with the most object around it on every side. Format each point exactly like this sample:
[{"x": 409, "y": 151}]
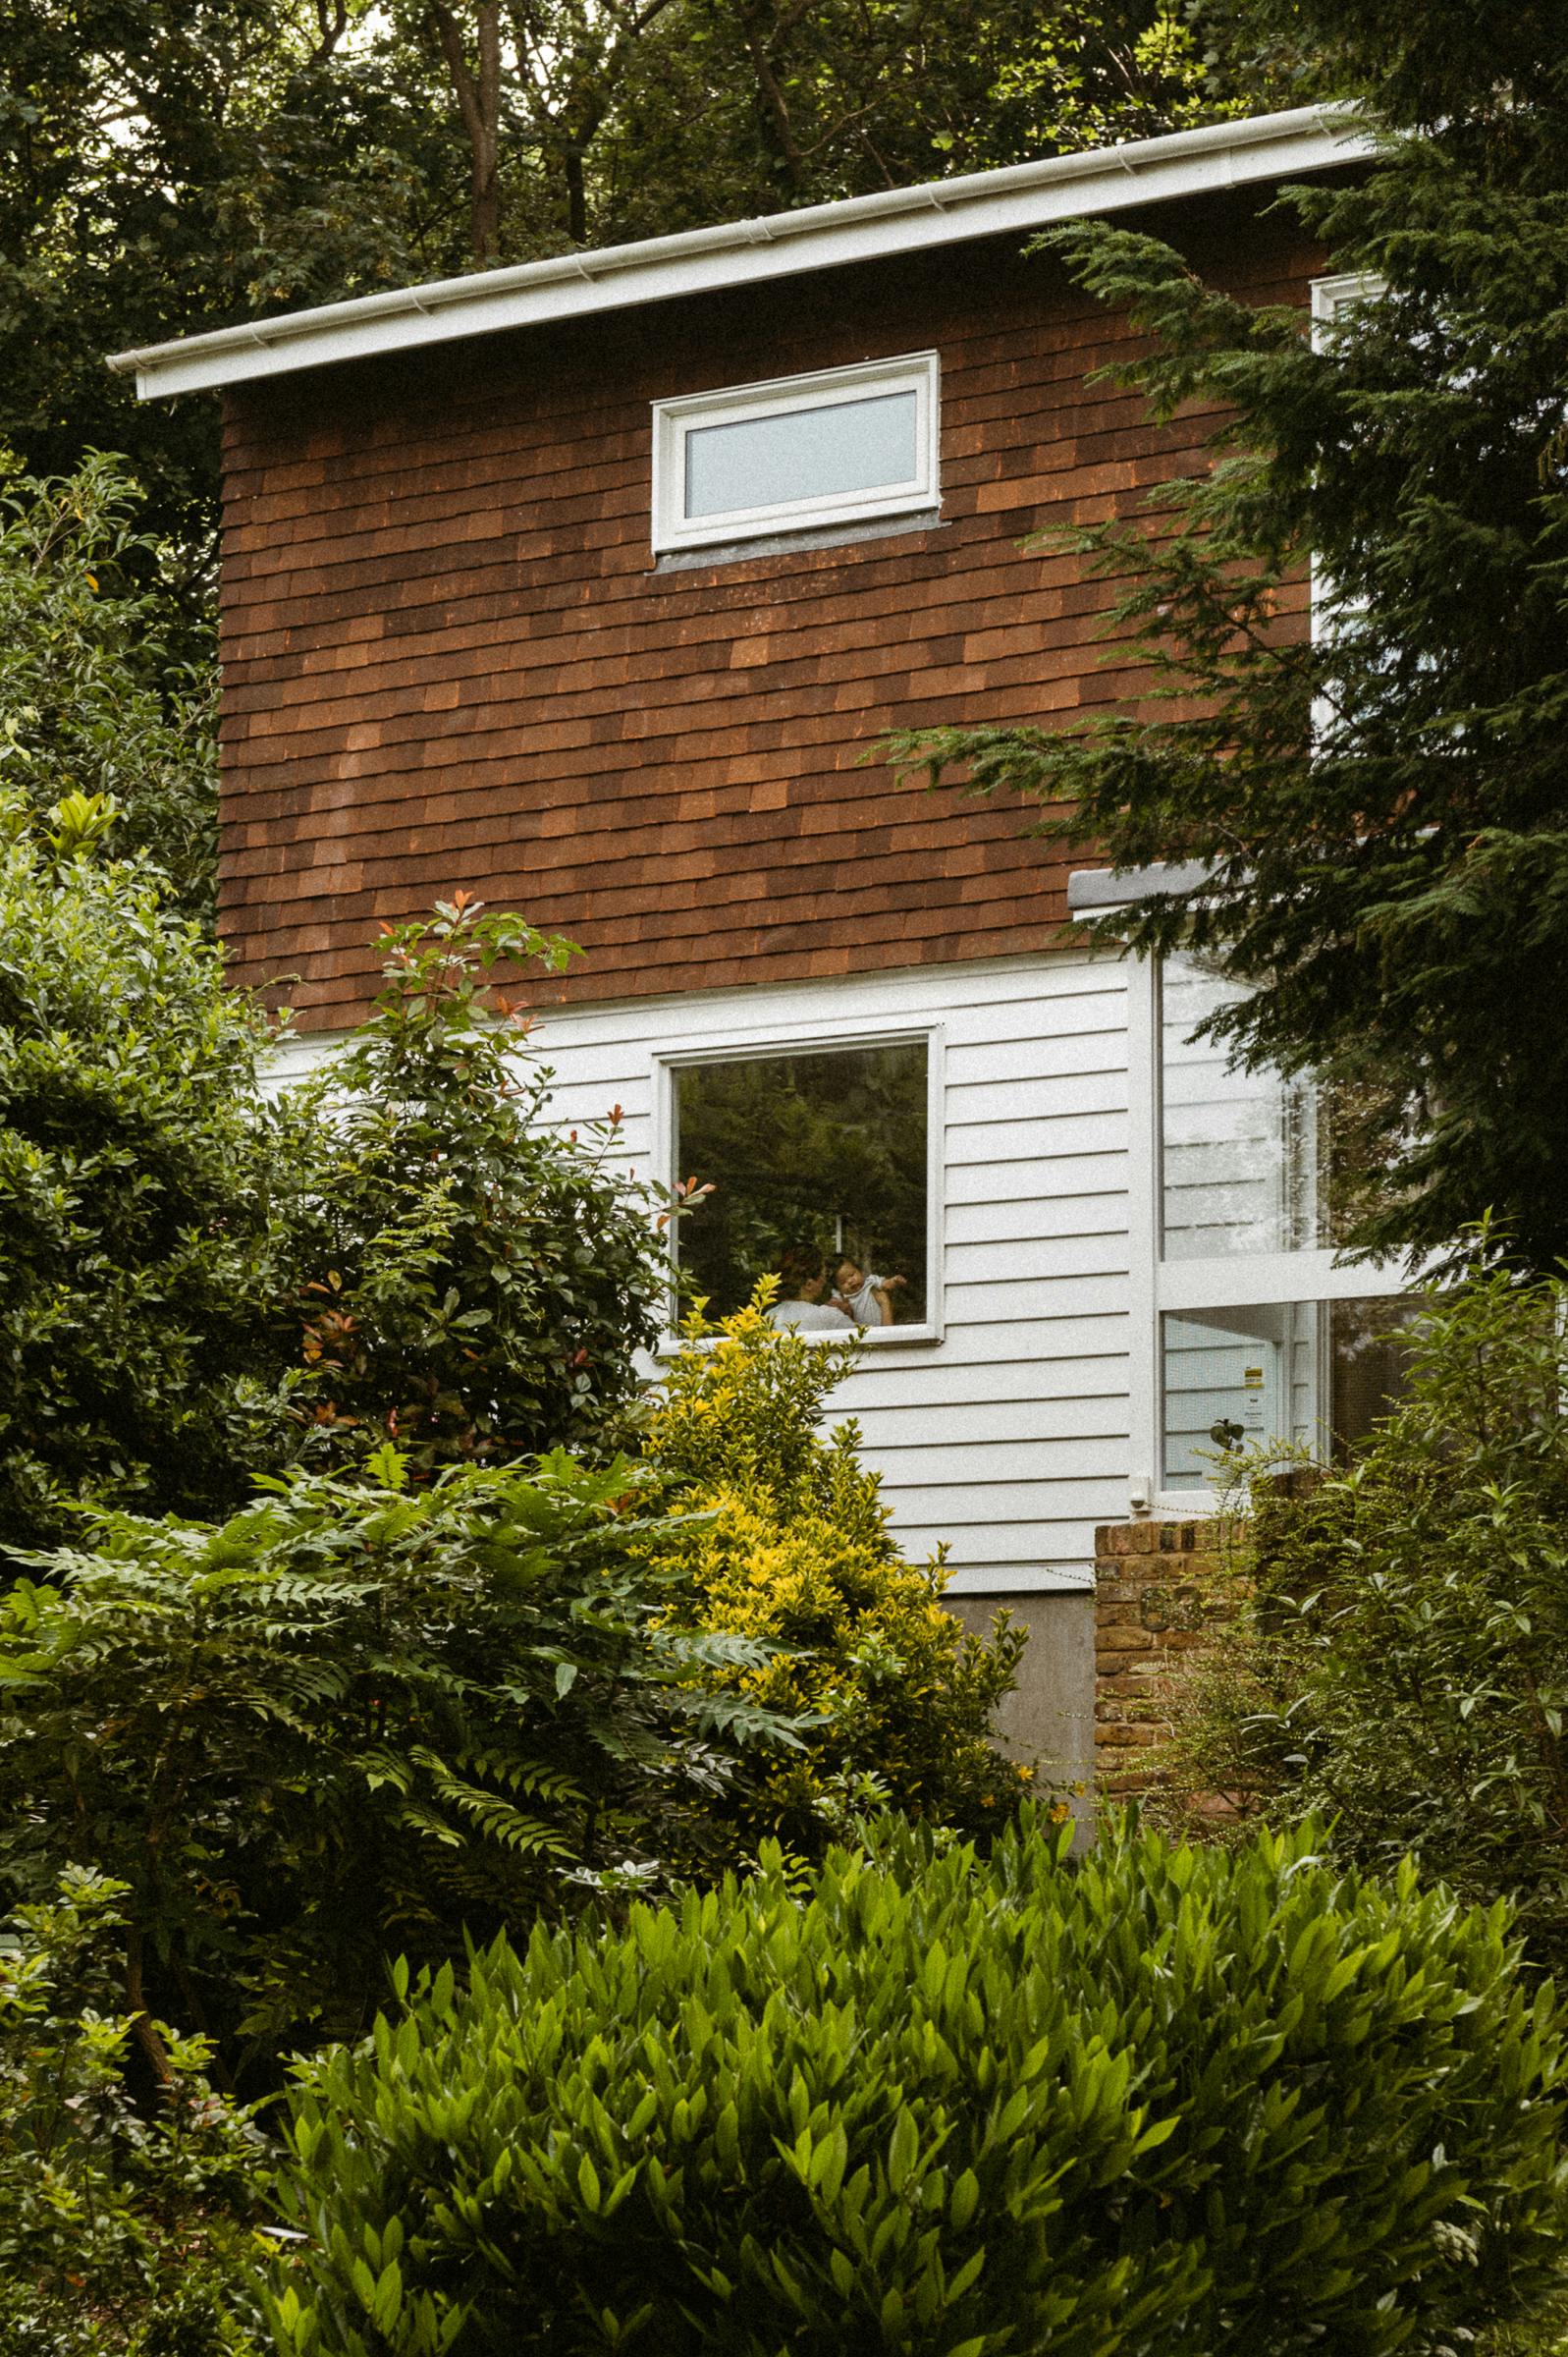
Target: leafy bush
[
  {"x": 787, "y": 1541},
  {"x": 357, "y": 1718},
  {"x": 123, "y": 2226},
  {"x": 468, "y": 1281},
  {"x": 136, "y": 1171},
  {"x": 1402, "y": 1662},
  {"x": 1167, "y": 2097}
]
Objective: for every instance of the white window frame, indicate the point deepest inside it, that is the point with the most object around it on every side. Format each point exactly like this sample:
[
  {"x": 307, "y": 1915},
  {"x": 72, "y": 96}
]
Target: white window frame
[
  {"x": 1215, "y": 1282},
  {"x": 733, "y": 404},
  {"x": 1330, "y": 295},
  {"x": 822, "y": 1039}
]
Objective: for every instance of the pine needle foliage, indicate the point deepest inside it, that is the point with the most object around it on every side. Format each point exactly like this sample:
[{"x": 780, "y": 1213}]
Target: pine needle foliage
[
  {"x": 949, "y": 2106},
  {"x": 1381, "y": 807}
]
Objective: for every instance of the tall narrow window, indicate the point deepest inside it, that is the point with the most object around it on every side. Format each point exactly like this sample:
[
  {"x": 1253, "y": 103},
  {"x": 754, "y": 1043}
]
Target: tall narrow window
[
  {"x": 818, "y": 1162},
  {"x": 842, "y": 446},
  {"x": 1264, "y": 1335}
]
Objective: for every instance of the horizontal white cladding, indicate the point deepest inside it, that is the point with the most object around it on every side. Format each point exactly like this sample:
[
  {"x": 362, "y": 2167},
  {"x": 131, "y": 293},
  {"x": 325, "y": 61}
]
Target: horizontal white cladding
[
  {"x": 1015, "y": 1422},
  {"x": 1018, "y": 198},
  {"x": 1008, "y": 1438}
]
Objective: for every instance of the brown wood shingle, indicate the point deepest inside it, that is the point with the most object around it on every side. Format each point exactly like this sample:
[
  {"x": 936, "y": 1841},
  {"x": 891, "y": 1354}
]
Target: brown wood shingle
[{"x": 450, "y": 658}]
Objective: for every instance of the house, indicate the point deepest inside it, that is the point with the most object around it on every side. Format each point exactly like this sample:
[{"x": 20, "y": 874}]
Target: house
[{"x": 590, "y": 585}]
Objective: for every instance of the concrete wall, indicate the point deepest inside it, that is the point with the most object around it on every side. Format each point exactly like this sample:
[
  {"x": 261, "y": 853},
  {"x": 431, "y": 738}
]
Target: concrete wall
[{"x": 1048, "y": 1719}]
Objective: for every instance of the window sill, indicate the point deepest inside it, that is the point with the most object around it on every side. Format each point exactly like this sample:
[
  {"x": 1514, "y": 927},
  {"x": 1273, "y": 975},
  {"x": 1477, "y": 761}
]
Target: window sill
[
  {"x": 873, "y": 1337},
  {"x": 791, "y": 543}
]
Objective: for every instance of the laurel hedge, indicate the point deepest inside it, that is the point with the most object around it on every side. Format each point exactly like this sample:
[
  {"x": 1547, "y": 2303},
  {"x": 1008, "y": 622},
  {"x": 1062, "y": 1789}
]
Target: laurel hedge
[{"x": 1157, "y": 2099}]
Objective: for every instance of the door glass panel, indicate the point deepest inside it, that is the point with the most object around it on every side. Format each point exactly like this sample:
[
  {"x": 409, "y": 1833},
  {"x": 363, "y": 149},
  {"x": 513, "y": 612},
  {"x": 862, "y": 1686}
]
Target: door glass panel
[{"x": 1316, "y": 1375}]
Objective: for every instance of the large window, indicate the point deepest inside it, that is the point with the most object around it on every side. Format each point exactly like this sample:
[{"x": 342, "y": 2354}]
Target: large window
[
  {"x": 816, "y": 1157},
  {"x": 842, "y": 446},
  {"x": 1259, "y": 1334}
]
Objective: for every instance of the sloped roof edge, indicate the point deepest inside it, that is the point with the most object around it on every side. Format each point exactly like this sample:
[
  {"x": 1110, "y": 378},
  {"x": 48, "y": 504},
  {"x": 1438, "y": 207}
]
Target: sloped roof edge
[{"x": 819, "y": 237}]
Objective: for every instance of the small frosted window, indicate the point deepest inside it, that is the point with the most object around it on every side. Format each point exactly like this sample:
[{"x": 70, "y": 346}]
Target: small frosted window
[{"x": 822, "y": 452}]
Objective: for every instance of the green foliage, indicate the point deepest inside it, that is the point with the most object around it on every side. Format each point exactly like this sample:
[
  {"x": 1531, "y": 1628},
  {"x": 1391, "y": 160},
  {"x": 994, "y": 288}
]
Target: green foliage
[
  {"x": 124, "y": 2226},
  {"x": 469, "y": 1282},
  {"x": 789, "y": 1544},
  {"x": 1381, "y": 808},
  {"x": 136, "y": 1183},
  {"x": 95, "y": 697},
  {"x": 1402, "y": 1662},
  {"x": 944, "y": 2104},
  {"x": 354, "y": 1717}
]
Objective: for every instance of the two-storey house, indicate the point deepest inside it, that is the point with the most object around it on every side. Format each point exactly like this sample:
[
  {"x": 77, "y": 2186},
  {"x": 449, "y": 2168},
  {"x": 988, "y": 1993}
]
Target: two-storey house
[{"x": 590, "y": 585}]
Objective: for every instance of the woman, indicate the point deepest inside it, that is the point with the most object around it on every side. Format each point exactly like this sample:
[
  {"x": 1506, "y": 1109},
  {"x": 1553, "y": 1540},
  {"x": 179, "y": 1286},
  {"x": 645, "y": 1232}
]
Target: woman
[{"x": 802, "y": 1281}]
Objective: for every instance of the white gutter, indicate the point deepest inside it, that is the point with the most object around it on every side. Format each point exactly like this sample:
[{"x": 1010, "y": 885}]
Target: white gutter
[{"x": 820, "y": 237}]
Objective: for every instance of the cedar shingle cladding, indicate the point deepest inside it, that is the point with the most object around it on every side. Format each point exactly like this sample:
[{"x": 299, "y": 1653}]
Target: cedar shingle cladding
[{"x": 449, "y": 658}]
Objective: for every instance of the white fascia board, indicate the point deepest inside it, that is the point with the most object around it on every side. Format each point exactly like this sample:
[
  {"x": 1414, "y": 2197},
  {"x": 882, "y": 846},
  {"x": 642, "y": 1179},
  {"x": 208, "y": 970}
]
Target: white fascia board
[{"x": 823, "y": 237}]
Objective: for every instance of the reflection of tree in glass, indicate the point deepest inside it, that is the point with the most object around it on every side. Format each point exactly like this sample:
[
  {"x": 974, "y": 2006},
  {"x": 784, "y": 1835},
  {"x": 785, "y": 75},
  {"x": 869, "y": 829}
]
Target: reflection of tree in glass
[{"x": 826, "y": 1150}]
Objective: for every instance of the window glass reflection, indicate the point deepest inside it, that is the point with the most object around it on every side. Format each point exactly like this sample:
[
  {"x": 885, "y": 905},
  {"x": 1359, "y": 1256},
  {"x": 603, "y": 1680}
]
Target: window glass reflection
[
  {"x": 1242, "y": 1151},
  {"x": 816, "y": 1164},
  {"x": 1309, "y": 1374}
]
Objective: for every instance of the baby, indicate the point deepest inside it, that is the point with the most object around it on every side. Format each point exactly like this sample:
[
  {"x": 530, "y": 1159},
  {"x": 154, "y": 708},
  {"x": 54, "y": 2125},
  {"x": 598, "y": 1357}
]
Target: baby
[{"x": 867, "y": 1298}]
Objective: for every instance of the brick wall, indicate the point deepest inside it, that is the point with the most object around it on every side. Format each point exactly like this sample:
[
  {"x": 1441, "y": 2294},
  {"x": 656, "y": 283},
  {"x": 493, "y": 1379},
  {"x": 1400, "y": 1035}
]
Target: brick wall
[
  {"x": 1149, "y": 1626},
  {"x": 451, "y": 659}
]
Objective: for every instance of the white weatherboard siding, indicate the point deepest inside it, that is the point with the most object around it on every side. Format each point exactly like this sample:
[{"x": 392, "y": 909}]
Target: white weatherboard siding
[{"x": 1009, "y": 1437}]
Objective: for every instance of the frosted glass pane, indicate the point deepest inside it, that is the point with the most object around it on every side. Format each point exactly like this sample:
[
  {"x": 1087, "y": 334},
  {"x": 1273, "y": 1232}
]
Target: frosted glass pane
[{"x": 812, "y": 453}]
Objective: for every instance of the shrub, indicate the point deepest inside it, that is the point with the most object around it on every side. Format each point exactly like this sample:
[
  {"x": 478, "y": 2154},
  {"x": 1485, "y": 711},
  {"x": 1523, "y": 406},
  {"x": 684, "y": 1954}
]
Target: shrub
[
  {"x": 1402, "y": 1663},
  {"x": 468, "y": 1281},
  {"x": 1167, "y": 2097},
  {"x": 355, "y": 1717},
  {"x": 787, "y": 1541},
  {"x": 123, "y": 2226},
  {"x": 136, "y": 1172}
]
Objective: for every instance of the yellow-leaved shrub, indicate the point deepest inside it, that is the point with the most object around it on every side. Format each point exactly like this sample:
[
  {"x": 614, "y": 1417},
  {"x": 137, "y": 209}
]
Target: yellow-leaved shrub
[{"x": 788, "y": 1543}]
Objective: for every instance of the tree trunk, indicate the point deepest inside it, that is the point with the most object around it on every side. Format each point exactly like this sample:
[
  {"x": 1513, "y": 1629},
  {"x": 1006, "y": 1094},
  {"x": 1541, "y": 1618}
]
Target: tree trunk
[
  {"x": 141, "y": 2025},
  {"x": 478, "y": 96}
]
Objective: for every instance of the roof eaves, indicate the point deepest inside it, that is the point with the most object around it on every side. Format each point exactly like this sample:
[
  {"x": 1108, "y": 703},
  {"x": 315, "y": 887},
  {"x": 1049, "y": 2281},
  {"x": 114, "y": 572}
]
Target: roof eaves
[{"x": 1017, "y": 197}]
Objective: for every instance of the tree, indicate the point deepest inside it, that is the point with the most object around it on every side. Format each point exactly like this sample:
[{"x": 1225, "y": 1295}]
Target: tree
[
  {"x": 164, "y": 169},
  {"x": 101, "y": 694},
  {"x": 1380, "y": 809},
  {"x": 353, "y": 1719},
  {"x": 1397, "y": 1662}
]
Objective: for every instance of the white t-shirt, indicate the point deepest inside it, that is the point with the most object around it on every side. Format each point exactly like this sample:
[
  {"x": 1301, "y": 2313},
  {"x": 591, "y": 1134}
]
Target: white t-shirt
[
  {"x": 864, "y": 1306},
  {"x": 814, "y": 1317}
]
